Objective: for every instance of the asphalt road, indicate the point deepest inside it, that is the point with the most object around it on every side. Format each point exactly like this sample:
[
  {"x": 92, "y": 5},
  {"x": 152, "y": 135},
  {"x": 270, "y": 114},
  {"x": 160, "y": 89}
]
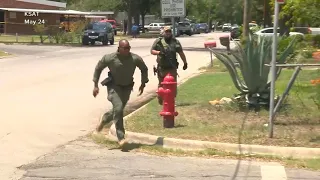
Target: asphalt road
[{"x": 46, "y": 101}]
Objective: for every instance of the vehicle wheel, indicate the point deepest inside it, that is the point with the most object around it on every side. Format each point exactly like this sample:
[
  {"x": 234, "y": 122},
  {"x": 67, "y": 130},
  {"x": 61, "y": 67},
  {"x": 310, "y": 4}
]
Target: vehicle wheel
[
  {"x": 112, "y": 41},
  {"x": 189, "y": 33},
  {"x": 84, "y": 42},
  {"x": 105, "y": 42}
]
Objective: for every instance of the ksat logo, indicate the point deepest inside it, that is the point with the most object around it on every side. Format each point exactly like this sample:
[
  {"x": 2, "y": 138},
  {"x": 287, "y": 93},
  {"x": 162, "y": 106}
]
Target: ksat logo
[{"x": 31, "y": 14}]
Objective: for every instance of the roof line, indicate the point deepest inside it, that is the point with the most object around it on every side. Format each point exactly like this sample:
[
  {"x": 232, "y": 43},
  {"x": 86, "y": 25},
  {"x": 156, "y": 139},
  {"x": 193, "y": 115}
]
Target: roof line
[
  {"x": 57, "y": 11},
  {"x": 46, "y": 2}
]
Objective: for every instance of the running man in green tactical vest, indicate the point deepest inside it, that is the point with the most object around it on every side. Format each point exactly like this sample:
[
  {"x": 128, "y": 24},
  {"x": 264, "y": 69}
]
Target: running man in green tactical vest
[
  {"x": 166, "y": 49},
  {"x": 119, "y": 83}
]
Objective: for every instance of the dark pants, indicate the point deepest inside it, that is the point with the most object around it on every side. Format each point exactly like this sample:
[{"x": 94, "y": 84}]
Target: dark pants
[
  {"x": 161, "y": 74},
  {"x": 134, "y": 34},
  {"x": 119, "y": 97}
]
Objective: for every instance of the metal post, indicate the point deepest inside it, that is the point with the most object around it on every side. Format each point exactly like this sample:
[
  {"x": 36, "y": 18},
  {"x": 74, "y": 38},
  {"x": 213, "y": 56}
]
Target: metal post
[
  {"x": 273, "y": 67},
  {"x": 173, "y": 27},
  {"x": 286, "y": 92},
  {"x": 211, "y": 60},
  {"x": 17, "y": 37}
]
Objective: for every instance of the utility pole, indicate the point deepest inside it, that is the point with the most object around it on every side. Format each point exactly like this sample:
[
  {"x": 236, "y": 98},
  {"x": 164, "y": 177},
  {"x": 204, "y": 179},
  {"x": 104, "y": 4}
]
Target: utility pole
[{"x": 273, "y": 64}]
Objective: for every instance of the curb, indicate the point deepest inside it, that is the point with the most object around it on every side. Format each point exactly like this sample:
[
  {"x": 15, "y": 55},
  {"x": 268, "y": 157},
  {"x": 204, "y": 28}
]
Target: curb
[{"x": 192, "y": 145}]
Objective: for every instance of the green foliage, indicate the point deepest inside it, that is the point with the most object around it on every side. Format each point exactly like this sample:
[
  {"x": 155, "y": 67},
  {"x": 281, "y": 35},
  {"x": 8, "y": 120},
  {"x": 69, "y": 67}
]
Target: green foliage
[
  {"x": 313, "y": 40},
  {"x": 253, "y": 81},
  {"x": 286, "y": 40},
  {"x": 255, "y": 29},
  {"x": 301, "y": 12},
  {"x": 316, "y": 90},
  {"x": 67, "y": 37},
  {"x": 41, "y": 30},
  {"x": 316, "y": 41}
]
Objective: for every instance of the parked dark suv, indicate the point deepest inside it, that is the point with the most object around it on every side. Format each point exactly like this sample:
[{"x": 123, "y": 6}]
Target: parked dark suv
[{"x": 98, "y": 31}]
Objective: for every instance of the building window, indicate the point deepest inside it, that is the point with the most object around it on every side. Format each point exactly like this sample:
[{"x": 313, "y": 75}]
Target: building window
[{"x": 12, "y": 15}]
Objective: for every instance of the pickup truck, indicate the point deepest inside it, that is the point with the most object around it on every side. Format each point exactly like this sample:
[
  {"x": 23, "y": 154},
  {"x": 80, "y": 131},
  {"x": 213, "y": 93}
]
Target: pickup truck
[
  {"x": 153, "y": 26},
  {"x": 314, "y": 30},
  {"x": 185, "y": 28}
]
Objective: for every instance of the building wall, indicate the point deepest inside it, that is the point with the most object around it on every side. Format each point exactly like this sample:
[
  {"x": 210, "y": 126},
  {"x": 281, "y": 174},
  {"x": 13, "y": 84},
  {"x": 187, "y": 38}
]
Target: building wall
[
  {"x": 25, "y": 5},
  {"x": 16, "y": 22}
]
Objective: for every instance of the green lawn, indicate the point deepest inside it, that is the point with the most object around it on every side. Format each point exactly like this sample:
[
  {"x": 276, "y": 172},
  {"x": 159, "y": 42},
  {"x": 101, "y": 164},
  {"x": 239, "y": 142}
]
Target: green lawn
[
  {"x": 2, "y": 54},
  {"x": 298, "y": 123}
]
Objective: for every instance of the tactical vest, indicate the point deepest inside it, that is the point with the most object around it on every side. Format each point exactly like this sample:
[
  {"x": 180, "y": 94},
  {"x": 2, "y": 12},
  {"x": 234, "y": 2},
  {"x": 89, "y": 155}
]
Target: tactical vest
[{"x": 169, "y": 60}]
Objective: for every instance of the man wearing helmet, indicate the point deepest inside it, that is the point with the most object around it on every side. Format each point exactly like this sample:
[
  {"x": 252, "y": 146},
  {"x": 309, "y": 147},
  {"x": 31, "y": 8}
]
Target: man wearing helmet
[{"x": 166, "y": 48}]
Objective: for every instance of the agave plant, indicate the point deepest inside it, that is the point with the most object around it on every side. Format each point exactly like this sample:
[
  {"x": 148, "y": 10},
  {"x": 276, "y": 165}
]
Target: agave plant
[{"x": 253, "y": 79}]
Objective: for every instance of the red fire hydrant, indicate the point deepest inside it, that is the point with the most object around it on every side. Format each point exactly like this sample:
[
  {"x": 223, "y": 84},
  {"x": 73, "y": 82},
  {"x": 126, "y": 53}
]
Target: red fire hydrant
[{"x": 167, "y": 93}]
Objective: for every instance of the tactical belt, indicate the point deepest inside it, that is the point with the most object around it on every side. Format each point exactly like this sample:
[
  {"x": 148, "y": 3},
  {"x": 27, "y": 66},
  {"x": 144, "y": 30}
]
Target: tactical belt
[{"x": 125, "y": 86}]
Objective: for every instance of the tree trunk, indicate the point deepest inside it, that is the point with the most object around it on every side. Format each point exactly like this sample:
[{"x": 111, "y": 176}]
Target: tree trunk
[
  {"x": 267, "y": 20},
  {"x": 142, "y": 22},
  {"x": 130, "y": 14},
  {"x": 136, "y": 18},
  {"x": 284, "y": 28},
  {"x": 245, "y": 31}
]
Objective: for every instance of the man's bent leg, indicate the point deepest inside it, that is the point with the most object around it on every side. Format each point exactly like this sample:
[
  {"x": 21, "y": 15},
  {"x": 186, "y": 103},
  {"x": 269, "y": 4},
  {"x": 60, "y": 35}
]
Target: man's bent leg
[
  {"x": 118, "y": 107},
  {"x": 160, "y": 79},
  {"x": 105, "y": 119}
]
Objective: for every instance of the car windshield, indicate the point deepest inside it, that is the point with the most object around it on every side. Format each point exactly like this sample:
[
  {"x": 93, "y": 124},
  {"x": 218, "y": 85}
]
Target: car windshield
[
  {"x": 97, "y": 26},
  {"x": 183, "y": 24}
]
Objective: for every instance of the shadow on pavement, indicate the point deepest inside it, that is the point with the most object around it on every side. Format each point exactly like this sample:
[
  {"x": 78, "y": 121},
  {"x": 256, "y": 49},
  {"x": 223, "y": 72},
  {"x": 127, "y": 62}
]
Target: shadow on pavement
[{"x": 131, "y": 146}]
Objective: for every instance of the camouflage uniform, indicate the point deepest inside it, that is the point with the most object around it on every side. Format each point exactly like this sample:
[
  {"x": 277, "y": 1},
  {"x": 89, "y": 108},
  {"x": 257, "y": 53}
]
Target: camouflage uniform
[
  {"x": 167, "y": 61},
  {"x": 119, "y": 89}
]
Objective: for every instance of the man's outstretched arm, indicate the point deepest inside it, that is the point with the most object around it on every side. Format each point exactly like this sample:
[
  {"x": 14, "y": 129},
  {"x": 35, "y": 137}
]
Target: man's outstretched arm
[
  {"x": 144, "y": 70},
  {"x": 180, "y": 52},
  {"x": 102, "y": 64}
]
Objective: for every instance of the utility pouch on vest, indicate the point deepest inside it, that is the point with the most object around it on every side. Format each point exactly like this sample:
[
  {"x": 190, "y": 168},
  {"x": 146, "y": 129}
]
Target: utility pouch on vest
[
  {"x": 169, "y": 58},
  {"x": 107, "y": 81}
]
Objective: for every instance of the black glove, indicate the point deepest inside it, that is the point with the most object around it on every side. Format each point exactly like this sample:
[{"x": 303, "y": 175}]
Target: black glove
[
  {"x": 141, "y": 88},
  {"x": 185, "y": 66}
]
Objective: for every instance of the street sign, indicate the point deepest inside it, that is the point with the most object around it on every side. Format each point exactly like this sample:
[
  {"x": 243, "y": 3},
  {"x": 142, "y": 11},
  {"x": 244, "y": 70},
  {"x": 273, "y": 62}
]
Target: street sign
[
  {"x": 173, "y": 8},
  {"x": 281, "y": 1}
]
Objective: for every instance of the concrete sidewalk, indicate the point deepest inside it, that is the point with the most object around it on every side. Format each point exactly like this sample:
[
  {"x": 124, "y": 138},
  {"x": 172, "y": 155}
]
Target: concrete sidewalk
[{"x": 84, "y": 160}]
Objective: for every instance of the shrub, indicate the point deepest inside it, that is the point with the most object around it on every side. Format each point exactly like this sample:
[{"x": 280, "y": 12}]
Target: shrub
[
  {"x": 68, "y": 37},
  {"x": 313, "y": 40},
  {"x": 316, "y": 41},
  {"x": 316, "y": 95},
  {"x": 40, "y": 29}
]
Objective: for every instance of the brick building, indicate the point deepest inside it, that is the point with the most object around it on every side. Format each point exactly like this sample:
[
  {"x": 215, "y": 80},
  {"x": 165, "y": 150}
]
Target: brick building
[
  {"x": 18, "y": 16},
  {"x": 32, "y": 4}
]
